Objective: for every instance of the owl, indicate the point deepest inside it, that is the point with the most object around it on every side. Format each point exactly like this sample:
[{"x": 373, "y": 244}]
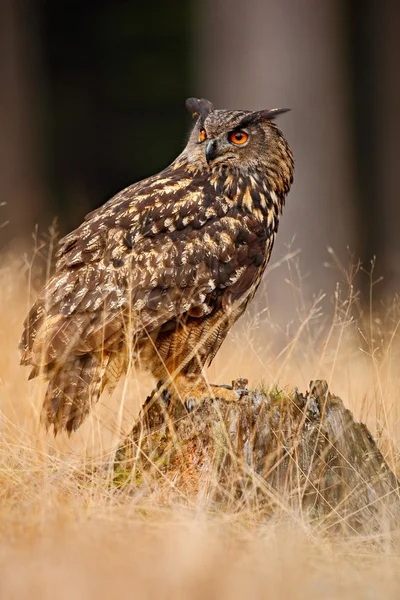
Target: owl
[{"x": 155, "y": 278}]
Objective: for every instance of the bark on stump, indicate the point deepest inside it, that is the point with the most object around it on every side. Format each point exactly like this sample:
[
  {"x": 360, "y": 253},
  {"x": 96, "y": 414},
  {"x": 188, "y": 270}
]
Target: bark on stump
[{"x": 270, "y": 452}]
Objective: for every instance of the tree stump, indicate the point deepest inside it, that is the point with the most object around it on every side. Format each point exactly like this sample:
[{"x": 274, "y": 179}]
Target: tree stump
[{"x": 269, "y": 452}]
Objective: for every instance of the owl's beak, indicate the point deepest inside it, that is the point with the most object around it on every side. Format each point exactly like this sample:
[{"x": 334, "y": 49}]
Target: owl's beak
[{"x": 211, "y": 150}]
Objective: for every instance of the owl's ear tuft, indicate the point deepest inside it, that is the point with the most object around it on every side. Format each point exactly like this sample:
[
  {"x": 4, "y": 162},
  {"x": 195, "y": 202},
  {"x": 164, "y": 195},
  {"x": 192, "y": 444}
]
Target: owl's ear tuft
[
  {"x": 271, "y": 113},
  {"x": 262, "y": 115},
  {"x": 199, "y": 107}
]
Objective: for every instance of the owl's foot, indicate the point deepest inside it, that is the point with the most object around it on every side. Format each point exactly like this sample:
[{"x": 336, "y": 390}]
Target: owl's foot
[
  {"x": 160, "y": 393},
  {"x": 193, "y": 390}
]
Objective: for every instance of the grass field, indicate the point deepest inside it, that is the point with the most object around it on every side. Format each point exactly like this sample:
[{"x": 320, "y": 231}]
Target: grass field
[{"x": 66, "y": 536}]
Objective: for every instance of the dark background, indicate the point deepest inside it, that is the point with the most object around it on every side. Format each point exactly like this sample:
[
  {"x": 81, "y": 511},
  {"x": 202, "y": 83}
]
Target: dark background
[{"x": 92, "y": 99}]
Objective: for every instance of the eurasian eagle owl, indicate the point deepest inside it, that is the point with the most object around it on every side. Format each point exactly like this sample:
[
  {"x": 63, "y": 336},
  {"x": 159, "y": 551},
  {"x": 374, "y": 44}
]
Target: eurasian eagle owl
[{"x": 159, "y": 274}]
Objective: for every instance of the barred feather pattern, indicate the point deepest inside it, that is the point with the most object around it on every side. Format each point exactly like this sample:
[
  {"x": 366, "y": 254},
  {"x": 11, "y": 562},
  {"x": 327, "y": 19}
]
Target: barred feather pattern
[{"x": 156, "y": 276}]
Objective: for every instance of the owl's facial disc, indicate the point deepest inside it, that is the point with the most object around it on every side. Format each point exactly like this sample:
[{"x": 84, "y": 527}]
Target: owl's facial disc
[{"x": 232, "y": 139}]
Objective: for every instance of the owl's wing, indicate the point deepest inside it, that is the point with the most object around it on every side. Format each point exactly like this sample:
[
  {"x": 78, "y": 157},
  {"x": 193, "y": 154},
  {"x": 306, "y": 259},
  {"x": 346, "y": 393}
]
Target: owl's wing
[{"x": 151, "y": 255}]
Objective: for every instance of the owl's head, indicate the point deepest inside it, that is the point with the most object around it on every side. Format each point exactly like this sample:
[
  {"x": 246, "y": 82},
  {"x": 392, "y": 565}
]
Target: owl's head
[{"x": 237, "y": 140}]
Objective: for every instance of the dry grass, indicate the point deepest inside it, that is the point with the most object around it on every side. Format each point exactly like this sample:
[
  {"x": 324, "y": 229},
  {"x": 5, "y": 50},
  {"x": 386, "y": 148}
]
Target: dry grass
[{"x": 63, "y": 534}]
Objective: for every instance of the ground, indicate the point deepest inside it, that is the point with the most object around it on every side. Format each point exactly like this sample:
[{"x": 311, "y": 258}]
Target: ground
[{"x": 77, "y": 536}]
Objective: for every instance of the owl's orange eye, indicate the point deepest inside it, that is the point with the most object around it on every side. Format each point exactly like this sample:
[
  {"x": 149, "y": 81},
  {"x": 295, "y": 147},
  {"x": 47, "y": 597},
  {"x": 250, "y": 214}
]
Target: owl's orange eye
[
  {"x": 238, "y": 137},
  {"x": 202, "y": 135}
]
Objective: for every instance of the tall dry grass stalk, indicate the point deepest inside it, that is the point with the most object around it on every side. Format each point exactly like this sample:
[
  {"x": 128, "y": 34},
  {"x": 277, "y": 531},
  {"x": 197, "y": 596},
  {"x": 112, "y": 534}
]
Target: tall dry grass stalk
[{"x": 65, "y": 533}]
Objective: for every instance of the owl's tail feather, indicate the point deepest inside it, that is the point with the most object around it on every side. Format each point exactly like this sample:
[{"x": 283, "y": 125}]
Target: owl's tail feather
[{"x": 75, "y": 386}]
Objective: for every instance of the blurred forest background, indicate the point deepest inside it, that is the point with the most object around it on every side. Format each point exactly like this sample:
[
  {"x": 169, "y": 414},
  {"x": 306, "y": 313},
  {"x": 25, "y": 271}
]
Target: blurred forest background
[{"x": 92, "y": 99}]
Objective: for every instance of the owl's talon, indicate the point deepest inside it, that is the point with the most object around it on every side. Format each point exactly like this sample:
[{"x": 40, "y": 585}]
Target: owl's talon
[
  {"x": 240, "y": 384},
  {"x": 190, "y": 404},
  {"x": 166, "y": 396},
  {"x": 156, "y": 396},
  {"x": 224, "y": 386},
  {"x": 241, "y": 392}
]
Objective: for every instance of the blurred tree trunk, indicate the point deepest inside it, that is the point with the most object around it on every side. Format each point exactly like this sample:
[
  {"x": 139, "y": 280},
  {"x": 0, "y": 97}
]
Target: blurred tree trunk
[
  {"x": 373, "y": 42},
  {"x": 387, "y": 114},
  {"x": 281, "y": 53},
  {"x": 20, "y": 178}
]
